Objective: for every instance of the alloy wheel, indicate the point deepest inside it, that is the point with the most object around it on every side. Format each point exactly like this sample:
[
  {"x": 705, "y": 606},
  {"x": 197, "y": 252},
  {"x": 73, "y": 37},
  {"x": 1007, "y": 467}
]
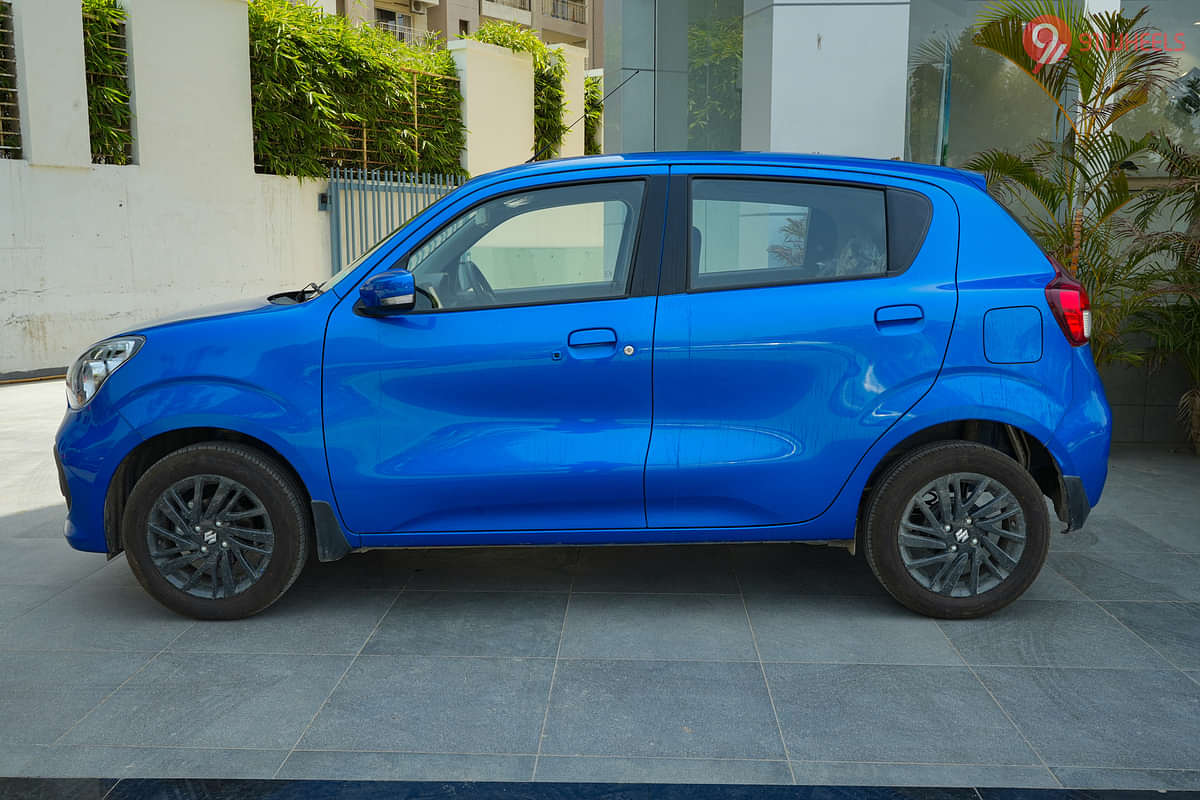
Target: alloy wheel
[
  {"x": 210, "y": 536},
  {"x": 962, "y": 534}
]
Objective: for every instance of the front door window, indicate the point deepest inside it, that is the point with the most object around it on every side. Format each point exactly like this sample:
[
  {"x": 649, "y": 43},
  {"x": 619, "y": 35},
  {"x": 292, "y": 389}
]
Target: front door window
[{"x": 556, "y": 245}]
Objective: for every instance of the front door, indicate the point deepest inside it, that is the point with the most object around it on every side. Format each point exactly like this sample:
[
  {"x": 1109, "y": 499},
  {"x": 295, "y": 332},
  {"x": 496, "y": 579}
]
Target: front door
[
  {"x": 807, "y": 313},
  {"x": 516, "y": 396}
]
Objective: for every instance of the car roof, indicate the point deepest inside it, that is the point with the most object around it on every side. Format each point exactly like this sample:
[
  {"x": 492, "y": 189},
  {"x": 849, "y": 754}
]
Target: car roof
[{"x": 905, "y": 169}]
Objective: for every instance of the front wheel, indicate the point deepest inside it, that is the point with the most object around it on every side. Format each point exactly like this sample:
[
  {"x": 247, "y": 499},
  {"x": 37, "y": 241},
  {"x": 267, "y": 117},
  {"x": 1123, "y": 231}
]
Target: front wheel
[
  {"x": 957, "y": 530},
  {"x": 216, "y": 531}
]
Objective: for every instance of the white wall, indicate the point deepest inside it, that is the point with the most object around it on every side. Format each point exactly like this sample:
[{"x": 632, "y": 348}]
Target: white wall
[{"x": 87, "y": 250}]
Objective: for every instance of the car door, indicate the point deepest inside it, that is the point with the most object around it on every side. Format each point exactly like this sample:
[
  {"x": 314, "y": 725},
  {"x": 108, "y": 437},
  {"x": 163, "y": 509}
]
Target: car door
[
  {"x": 516, "y": 396},
  {"x": 804, "y": 312}
]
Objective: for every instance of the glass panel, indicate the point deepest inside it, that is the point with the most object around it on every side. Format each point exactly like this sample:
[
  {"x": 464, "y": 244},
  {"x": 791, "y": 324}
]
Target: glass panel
[
  {"x": 990, "y": 103},
  {"x": 753, "y": 233},
  {"x": 698, "y": 92},
  {"x": 689, "y": 95},
  {"x": 1175, "y": 111},
  {"x": 547, "y": 245}
]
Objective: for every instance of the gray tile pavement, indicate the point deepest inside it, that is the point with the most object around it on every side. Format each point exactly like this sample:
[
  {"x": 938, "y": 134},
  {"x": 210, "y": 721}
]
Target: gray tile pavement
[{"x": 747, "y": 664}]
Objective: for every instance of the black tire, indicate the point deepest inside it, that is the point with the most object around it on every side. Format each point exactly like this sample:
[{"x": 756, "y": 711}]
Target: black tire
[
  {"x": 900, "y": 486},
  {"x": 276, "y": 493}
]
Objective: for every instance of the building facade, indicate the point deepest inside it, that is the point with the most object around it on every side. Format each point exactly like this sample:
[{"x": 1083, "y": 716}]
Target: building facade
[
  {"x": 575, "y": 22},
  {"x": 877, "y": 78}
]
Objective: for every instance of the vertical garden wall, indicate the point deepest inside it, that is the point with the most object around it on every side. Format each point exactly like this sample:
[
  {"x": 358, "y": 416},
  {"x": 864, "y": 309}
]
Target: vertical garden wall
[{"x": 327, "y": 93}]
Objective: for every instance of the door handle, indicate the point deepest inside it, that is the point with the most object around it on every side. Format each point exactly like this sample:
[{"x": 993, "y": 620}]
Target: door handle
[
  {"x": 591, "y": 337},
  {"x": 898, "y": 315}
]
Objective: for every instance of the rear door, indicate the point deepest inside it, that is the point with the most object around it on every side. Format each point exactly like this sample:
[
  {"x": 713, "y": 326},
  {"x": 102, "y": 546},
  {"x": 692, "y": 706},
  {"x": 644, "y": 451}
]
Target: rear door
[{"x": 803, "y": 312}]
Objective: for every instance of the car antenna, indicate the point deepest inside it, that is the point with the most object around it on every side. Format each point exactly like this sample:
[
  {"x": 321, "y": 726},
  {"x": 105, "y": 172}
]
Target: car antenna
[{"x": 542, "y": 152}]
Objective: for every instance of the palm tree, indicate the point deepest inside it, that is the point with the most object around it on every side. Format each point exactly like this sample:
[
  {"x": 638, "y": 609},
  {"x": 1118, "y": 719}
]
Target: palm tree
[{"x": 1071, "y": 188}]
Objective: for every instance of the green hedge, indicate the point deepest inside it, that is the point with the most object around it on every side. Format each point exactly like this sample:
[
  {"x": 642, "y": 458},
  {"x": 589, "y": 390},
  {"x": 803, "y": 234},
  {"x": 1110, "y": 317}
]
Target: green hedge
[
  {"x": 549, "y": 71},
  {"x": 593, "y": 113},
  {"x": 328, "y": 93},
  {"x": 105, "y": 55}
]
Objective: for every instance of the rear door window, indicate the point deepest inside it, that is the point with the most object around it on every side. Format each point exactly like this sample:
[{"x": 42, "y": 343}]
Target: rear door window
[{"x": 752, "y": 232}]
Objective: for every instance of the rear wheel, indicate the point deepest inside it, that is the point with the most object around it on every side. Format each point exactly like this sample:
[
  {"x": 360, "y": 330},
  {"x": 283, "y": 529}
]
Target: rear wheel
[
  {"x": 216, "y": 531},
  {"x": 957, "y": 530}
]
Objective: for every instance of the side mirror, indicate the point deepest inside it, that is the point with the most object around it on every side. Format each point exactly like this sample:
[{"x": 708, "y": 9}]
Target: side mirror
[{"x": 390, "y": 292}]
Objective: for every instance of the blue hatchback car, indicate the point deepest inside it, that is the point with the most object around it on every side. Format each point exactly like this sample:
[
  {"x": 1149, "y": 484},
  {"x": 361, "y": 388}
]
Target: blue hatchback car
[{"x": 663, "y": 348}]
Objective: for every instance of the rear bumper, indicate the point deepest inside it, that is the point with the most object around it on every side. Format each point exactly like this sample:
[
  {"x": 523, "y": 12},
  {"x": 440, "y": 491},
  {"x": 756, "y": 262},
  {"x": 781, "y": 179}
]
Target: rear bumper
[
  {"x": 1082, "y": 440},
  {"x": 1078, "y": 507}
]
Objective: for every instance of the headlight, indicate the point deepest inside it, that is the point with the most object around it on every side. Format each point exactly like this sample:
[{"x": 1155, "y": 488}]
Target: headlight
[{"x": 91, "y": 370}]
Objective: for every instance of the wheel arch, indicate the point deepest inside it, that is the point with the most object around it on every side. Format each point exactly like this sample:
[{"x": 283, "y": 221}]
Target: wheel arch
[
  {"x": 149, "y": 451},
  {"x": 1012, "y": 440}
]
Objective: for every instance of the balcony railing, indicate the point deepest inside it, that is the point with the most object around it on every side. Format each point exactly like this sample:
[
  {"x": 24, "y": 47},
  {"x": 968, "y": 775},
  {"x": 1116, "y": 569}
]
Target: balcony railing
[
  {"x": 569, "y": 10},
  {"x": 403, "y": 33}
]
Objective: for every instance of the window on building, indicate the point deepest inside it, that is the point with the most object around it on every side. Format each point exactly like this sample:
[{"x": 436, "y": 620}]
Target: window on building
[
  {"x": 464, "y": 27},
  {"x": 764, "y": 232},
  {"x": 10, "y": 122},
  {"x": 550, "y": 245}
]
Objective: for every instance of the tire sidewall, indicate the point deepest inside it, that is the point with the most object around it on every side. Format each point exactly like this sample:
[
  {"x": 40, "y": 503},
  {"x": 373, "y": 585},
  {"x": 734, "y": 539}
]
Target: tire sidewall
[
  {"x": 914, "y": 473},
  {"x": 280, "y": 500}
]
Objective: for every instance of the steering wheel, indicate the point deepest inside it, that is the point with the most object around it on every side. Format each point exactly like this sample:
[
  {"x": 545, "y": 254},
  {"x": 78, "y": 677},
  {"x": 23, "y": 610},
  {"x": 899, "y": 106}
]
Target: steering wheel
[{"x": 472, "y": 279}]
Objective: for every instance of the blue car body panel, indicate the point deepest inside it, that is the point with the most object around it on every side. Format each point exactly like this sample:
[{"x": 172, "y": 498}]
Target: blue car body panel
[
  {"x": 469, "y": 421},
  {"x": 744, "y": 414},
  {"x": 256, "y": 373}
]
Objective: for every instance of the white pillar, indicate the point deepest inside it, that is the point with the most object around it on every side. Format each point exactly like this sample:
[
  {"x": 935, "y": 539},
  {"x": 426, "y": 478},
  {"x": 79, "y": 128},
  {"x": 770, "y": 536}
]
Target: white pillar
[
  {"x": 497, "y": 108},
  {"x": 573, "y": 89},
  {"x": 51, "y": 88},
  {"x": 828, "y": 76},
  {"x": 758, "y": 44},
  {"x": 183, "y": 120}
]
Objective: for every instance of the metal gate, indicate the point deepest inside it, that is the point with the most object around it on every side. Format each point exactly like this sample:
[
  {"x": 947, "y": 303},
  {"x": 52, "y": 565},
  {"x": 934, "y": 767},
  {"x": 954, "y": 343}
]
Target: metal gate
[{"x": 365, "y": 205}]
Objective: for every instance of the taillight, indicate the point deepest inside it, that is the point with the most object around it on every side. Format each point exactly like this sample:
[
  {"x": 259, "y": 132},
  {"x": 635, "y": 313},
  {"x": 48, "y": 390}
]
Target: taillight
[{"x": 1069, "y": 302}]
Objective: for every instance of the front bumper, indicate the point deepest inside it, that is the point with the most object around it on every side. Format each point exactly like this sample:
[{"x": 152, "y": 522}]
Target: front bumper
[{"x": 89, "y": 446}]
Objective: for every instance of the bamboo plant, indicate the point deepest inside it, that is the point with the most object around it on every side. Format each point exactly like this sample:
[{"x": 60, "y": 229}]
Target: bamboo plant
[
  {"x": 593, "y": 110},
  {"x": 110, "y": 114},
  {"x": 328, "y": 93}
]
